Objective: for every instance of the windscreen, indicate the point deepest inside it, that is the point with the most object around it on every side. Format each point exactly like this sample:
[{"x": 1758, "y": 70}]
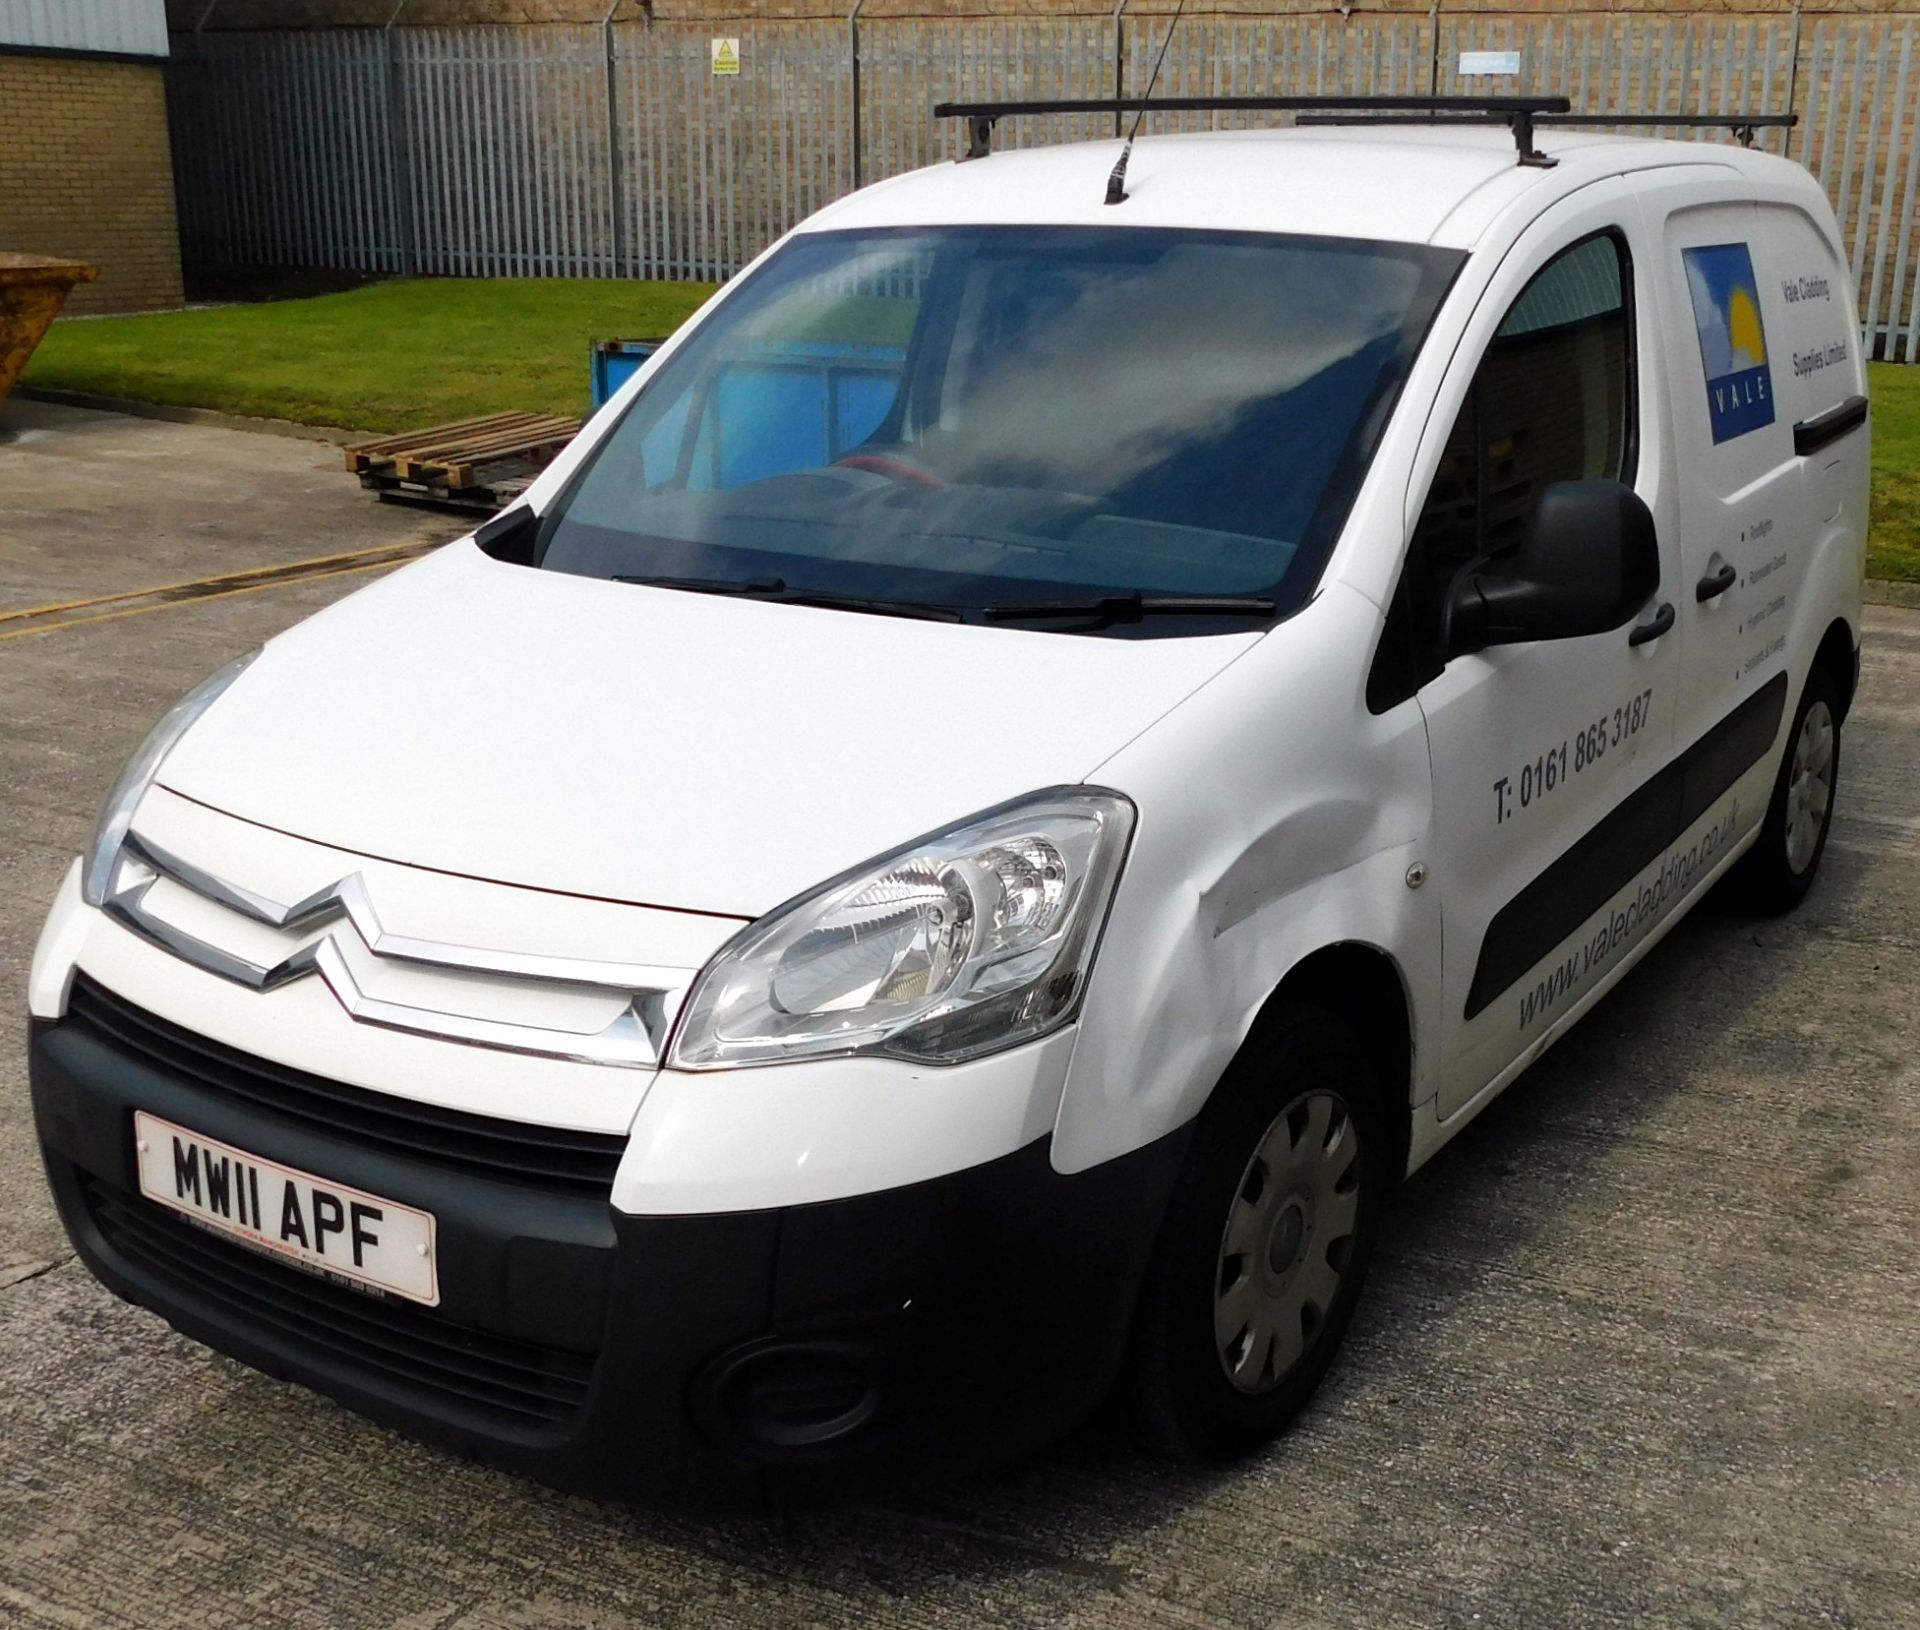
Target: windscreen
[{"x": 1014, "y": 422}]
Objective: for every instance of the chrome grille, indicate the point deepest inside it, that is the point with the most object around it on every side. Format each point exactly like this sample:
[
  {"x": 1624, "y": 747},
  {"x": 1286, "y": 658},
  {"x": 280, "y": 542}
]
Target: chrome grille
[{"x": 319, "y": 928}]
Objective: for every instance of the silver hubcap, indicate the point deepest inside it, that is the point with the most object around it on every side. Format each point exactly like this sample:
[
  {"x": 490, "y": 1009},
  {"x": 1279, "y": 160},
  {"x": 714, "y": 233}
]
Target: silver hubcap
[
  {"x": 1809, "y": 786},
  {"x": 1287, "y": 1240}
]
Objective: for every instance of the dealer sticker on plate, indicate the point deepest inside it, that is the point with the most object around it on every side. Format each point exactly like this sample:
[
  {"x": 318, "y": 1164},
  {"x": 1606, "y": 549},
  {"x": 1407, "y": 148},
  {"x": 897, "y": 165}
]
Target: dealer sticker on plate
[{"x": 344, "y": 1233}]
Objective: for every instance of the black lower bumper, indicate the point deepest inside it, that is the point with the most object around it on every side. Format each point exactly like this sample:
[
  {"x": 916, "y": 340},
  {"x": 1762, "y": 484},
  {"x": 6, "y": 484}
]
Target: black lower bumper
[{"x": 755, "y": 1360}]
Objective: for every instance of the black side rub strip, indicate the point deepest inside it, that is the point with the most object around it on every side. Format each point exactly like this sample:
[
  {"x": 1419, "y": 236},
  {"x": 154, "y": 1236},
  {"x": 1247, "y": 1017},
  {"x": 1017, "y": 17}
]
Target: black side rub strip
[
  {"x": 1810, "y": 435},
  {"x": 1623, "y": 844}
]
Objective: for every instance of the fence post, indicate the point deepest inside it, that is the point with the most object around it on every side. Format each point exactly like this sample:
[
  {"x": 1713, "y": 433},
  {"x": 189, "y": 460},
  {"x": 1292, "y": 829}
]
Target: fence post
[
  {"x": 853, "y": 63},
  {"x": 1119, "y": 59},
  {"x": 399, "y": 158},
  {"x": 1793, "y": 77},
  {"x": 616, "y": 188},
  {"x": 183, "y": 199},
  {"x": 1786, "y": 137},
  {"x": 1433, "y": 48}
]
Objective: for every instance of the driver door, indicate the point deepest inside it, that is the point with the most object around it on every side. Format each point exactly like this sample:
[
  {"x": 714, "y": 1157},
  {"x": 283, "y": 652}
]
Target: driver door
[{"x": 1545, "y": 754}]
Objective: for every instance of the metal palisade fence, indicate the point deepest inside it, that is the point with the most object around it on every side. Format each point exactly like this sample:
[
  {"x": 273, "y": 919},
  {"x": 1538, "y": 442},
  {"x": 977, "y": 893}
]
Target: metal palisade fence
[{"x": 619, "y": 151}]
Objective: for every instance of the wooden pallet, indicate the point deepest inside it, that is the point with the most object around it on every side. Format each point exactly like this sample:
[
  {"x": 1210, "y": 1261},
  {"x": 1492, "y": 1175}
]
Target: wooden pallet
[
  {"x": 478, "y": 463},
  {"x": 491, "y": 487}
]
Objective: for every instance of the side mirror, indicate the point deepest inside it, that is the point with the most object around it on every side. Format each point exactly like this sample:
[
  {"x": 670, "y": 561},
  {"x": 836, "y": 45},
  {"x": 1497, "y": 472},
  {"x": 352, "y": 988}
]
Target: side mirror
[{"x": 1588, "y": 562}]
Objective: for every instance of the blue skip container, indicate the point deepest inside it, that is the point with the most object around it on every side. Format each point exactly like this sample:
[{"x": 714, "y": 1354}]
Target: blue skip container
[{"x": 613, "y": 363}]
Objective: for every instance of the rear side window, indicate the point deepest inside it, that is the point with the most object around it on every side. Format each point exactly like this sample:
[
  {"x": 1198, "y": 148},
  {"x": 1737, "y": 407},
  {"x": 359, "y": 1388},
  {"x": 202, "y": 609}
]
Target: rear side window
[{"x": 1551, "y": 401}]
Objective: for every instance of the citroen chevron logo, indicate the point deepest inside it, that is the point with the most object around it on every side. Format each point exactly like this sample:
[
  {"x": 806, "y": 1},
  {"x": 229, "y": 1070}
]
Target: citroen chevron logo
[{"x": 632, "y": 1038}]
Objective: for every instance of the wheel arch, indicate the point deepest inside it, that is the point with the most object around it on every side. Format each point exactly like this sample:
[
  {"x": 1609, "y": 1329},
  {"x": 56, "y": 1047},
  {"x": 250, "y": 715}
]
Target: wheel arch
[
  {"x": 1363, "y": 985},
  {"x": 1837, "y": 656}
]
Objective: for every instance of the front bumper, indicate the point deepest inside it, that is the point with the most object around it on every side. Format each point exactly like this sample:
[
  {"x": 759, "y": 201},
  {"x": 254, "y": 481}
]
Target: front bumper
[{"x": 744, "y": 1360}]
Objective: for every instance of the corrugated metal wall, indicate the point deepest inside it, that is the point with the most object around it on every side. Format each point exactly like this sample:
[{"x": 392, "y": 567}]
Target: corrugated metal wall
[
  {"x": 616, "y": 151},
  {"x": 124, "y": 27}
]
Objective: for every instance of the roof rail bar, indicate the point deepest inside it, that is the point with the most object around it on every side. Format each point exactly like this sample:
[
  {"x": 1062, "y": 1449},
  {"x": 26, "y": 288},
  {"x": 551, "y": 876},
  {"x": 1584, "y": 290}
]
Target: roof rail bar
[
  {"x": 1517, "y": 112},
  {"x": 1741, "y": 125}
]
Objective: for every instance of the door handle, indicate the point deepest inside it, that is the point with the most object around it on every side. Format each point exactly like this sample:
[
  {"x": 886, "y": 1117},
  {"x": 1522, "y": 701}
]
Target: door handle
[
  {"x": 1646, "y": 633},
  {"x": 1714, "y": 584}
]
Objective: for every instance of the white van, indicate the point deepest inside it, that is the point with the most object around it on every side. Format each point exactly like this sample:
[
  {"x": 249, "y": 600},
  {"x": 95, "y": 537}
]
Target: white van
[{"x": 1034, "y": 762}]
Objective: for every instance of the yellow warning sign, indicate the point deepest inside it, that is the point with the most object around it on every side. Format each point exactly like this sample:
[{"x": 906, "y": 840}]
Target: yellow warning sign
[{"x": 726, "y": 56}]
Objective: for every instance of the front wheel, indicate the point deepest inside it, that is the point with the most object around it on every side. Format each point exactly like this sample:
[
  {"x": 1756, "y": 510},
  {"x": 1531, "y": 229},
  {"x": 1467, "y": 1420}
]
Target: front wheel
[
  {"x": 1776, "y": 873},
  {"x": 1266, "y": 1241}
]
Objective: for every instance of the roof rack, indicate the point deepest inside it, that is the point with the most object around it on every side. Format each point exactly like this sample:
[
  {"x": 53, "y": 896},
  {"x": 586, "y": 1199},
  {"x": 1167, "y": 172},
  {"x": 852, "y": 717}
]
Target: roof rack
[
  {"x": 1742, "y": 126},
  {"x": 1520, "y": 114}
]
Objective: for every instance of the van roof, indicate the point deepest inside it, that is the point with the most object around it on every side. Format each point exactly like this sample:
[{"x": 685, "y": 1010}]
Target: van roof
[{"x": 1403, "y": 183}]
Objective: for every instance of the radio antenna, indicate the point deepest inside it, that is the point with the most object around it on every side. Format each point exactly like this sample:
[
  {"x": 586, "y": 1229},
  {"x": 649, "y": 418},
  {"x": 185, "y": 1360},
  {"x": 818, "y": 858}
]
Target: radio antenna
[{"x": 1117, "y": 182}]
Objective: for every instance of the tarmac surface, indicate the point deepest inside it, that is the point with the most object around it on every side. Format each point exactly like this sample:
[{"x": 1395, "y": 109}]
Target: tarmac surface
[{"x": 1642, "y": 1347}]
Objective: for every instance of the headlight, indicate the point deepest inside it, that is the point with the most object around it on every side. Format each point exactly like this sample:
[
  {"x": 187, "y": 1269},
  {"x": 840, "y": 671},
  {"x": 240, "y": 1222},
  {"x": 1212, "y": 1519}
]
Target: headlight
[
  {"x": 116, "y": 815},
  {"x": 963, "y": 943}
]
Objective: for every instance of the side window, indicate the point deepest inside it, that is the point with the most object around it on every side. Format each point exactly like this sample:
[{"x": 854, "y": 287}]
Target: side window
[{"x": 1552, "y": 401}]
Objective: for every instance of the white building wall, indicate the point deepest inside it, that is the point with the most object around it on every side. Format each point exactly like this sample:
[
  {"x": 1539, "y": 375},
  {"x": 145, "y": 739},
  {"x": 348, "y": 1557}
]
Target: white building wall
[{"x": 122, "y": 27}]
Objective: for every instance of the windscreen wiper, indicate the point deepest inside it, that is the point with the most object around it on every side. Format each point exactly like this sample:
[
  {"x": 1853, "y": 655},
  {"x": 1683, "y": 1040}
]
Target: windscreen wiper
[
  {"x": 1128, "y": 608},
  {"x": 756, "y": 586},
  {"x": 883, "y": 608},
  {"x": 776, "y": 590}
]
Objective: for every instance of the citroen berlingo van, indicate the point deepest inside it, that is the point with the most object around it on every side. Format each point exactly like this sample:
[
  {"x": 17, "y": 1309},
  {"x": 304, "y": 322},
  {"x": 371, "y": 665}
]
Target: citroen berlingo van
[{"x": 1040, "y": 756}]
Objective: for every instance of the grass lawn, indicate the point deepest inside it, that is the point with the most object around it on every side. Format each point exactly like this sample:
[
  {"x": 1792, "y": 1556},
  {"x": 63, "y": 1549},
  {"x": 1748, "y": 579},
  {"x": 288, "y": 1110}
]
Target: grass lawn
[
  {"x": 1893, "y": 544},
  {"x": 396, "y": 356},
  {"x": 391, "y": 356}
]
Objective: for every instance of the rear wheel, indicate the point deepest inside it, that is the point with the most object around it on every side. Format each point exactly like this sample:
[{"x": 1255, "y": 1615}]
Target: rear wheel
[
  {"x": 1776, "y": 873},
  {"x": 1267, "y": 1239}
]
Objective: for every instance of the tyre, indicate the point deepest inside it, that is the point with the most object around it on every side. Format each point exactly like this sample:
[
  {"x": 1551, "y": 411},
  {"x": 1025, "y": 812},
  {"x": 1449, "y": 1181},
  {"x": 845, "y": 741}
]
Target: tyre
[
  {"x": 1776, "y": 873},
  {"x": 1267, "y": 1238}
]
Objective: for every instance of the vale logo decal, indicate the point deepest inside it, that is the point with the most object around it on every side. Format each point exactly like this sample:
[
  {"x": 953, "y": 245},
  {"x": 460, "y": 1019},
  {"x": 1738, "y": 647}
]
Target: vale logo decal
[{"x": 1733, "y": 344}]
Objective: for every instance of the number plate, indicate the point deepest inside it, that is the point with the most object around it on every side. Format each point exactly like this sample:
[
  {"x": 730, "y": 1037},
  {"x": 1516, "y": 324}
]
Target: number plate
[{"x": 347, "y": 1234}]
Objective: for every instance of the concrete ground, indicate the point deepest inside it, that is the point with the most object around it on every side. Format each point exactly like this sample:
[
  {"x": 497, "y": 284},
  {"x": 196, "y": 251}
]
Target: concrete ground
[{"x": 1641, "y": 1348}]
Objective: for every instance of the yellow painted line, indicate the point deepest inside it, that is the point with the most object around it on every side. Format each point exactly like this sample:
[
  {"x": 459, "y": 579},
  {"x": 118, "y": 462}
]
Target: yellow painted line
[
  {"x": 196, "y": 600},
  {"x": 291, "y": 569}
]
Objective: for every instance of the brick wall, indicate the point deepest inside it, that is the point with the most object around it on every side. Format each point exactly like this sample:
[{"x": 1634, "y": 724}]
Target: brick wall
[{"x": 85, "y": 172}]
